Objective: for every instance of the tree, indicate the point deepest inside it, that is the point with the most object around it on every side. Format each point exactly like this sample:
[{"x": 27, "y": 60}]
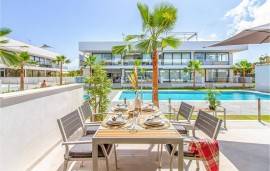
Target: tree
[
  {"x": 243, "y": 67},
  {"x": 100, "y": 88},
  {"x": 7, "y": 58},
  {"x": 192, "y": 68},
  {"x": 89, "y": 61},
  {"x": 156, "y": 25},
  {"x": 61, "y": 60},
  {"x": 23, "y": 59}
]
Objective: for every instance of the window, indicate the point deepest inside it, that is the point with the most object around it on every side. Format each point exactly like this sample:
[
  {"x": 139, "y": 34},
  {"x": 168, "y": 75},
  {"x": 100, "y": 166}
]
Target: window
[
  {"x": 167, "y": 59},
  {"x": 116, "y": 59},
  {"x": 165, "y": 74},
  {"x": 147, "y": 59},
  {"x": 149, "y": 74},
  {"x": 223, "y": 57},
  {"x": 210, "y": 57},
  {"x": 32, "y": 58},
  {"x": 127, "y": 73},
  {"x": 41, "y": 61},
  {"x": 107, "y": 59},
  {"x": 174, "y": 75},
  {"x": 199, "y": 56},
  {"x": 185, "y": 76},
  {"x": 185, "y": 58},
  {"x": 29, "y": 73},
  {"x": 35, "y": 73},
  {"x": 216, "y": 75},
  {"x": 176, "y": 58}
]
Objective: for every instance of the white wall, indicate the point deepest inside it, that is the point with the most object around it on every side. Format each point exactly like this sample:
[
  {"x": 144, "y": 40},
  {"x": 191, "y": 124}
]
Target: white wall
[
  {"x": 28, "y": 123},
  {"x": 262, "y": 78}
]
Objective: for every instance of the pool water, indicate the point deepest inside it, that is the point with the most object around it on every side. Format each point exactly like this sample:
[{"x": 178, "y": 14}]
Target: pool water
[{"x": 196, "y": 95}]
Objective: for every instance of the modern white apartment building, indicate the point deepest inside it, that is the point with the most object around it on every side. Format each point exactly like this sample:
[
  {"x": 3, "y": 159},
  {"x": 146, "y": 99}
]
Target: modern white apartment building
[
  {"x": 41, "y": 55},
  {"x": 216, "y": 61}
]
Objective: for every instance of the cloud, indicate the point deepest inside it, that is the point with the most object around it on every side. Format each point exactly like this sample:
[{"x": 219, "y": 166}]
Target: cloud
[
  {"x": 249, "y": 13},
  {"x": 210, "y": 37},
  {"x": 74, "y": 65}
]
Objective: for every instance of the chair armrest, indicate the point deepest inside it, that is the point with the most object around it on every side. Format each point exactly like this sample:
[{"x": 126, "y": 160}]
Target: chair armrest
[
  {"x": 77, "y": 142},
  {"x": 92, "y": 124},
  {"x": 99, "y": 113}
]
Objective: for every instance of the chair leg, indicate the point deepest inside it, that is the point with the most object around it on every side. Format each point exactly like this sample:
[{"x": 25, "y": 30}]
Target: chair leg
[
  {"x": 157, "y": 152},
  {"x": 65, "y": 165},
  {"x": 115, "y": 157},
  {"x": 107, "y": 163},
  {"x": 160, "y": 157},
  {"x": 81, "y": 164},
  {"x": 198, "y": 164},
  {"x": 171, "y": 163},
  {"x": 188, "y": 165}
]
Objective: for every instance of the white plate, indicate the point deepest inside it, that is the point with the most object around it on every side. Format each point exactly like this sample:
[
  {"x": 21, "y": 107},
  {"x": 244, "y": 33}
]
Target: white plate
[
  {"x": 111, "y": 122},
  {"x": 151, "y": 123}
]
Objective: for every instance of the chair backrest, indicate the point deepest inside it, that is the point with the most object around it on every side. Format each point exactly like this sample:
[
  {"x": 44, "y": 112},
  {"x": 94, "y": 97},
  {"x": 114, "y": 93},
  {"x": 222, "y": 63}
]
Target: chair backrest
[
  {"x": 208, "y": 124},
  {"x": 85, "y": 110},
  {"x": 186, "y": 111},
  {"x": 69, "y": 124}
]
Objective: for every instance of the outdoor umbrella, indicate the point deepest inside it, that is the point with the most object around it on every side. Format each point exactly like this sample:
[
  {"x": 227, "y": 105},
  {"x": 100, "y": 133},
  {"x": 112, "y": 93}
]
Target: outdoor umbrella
[{"x": 256, "y": 35}]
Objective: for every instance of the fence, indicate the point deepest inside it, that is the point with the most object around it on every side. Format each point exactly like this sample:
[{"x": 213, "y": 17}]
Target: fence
[{"x": 13, "y": 83}]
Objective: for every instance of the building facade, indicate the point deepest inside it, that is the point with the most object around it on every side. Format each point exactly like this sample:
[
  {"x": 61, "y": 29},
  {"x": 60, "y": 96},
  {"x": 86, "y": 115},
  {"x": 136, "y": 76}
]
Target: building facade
[
  {"x": 42, "y": 56},
  {"x": 216, "y": 61}
]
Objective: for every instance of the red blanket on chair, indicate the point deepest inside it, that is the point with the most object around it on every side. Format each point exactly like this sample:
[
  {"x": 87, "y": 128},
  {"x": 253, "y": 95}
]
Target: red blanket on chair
[{"x": 208, "y": 151}]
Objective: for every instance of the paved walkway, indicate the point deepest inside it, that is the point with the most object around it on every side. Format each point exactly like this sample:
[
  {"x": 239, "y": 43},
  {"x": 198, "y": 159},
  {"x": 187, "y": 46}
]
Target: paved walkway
[{"x": 244, "y": 147}]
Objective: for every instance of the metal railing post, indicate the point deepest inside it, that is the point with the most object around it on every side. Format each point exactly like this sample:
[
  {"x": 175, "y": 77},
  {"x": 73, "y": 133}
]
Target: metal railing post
[{"x": 259, "y": 109}]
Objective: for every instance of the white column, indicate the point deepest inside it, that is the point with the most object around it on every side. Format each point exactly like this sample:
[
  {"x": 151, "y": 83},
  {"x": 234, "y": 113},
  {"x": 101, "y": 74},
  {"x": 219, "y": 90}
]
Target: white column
[
  {"x": 192, "y": 55},
  {"x": 122, "y": 76}
]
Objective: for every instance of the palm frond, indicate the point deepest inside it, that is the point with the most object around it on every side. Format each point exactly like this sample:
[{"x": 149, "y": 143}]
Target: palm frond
[
  {"x": 165, "y": 16},
  {"x": 145, "y": 46},
  {"x": 4, "y": 31},
  {"x": 3, "y": 41},
  {"x": 145, "y": 15},
  {"x": 8, "y": 58},
  {"x": 170, "y": 41},
  {"x": 132, "y": 37}
]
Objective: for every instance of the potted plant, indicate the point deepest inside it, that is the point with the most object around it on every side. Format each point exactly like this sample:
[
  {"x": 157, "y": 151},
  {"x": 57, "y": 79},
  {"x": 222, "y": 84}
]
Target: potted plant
[{"x": 211, "y": 97}]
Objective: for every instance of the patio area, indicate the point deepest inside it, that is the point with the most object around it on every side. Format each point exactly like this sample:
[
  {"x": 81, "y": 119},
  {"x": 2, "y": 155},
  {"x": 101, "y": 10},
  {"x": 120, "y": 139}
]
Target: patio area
[{"x": 244, "y": 146}]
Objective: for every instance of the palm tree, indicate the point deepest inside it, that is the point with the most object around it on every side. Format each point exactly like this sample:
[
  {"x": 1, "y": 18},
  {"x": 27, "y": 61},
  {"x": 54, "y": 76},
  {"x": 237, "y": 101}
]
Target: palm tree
[
  {"x": 89, "y": 61},
  {"x": 23, "y": 59},
  {"x": 243, "y": 67},
  {"x": 261, "y": 60},
  {"x": 7, "y": 58},
  {"x": 156, "y": 25},
  {"x": 61, "y": 60},
  {"x": 193, "y": 67}
]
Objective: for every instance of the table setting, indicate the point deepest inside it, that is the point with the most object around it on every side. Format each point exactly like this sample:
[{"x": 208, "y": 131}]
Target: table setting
[{"x": 123, "y": 116}]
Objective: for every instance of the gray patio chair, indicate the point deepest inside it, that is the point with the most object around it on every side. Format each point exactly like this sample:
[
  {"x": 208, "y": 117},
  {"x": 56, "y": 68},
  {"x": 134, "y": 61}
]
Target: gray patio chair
[
  {"x": 185, "y": 110},
  {"x": 205, "y": 122},
  {"x": 86, "y": 113},
  {"x": 80, "y": 150}
]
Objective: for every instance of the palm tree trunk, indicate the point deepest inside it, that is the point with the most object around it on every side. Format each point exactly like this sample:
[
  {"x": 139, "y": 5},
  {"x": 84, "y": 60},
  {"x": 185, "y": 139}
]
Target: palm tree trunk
[
  {"x": 90, "y": 71},
  {"x": 22, "y": 78},
  {"x": 60, "y": 73},
  {"x": 244, "y": 79},
  {"x": 155, "y": 78},
  {"x": 194, "y": 81}
]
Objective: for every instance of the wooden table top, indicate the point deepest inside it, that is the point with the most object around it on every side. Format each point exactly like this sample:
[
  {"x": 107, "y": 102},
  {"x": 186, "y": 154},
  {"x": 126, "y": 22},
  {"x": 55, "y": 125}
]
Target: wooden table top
[
  {"x": 121, "y": 133},
  {"x": 168, "y": 133}
]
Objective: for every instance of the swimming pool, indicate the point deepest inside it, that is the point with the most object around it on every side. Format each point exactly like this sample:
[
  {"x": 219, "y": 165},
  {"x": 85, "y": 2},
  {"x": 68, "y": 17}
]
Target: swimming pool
[{"x": 196, "y": 95}]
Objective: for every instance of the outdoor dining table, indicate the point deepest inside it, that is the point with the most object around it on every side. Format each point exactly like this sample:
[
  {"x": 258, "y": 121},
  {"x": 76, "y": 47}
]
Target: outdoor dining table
[{"x": 106, "y": 135}]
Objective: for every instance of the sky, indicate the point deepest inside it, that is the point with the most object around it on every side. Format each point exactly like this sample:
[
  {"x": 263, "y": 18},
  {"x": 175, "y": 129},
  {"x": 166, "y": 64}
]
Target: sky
[{"x": 61, "y": 24}]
